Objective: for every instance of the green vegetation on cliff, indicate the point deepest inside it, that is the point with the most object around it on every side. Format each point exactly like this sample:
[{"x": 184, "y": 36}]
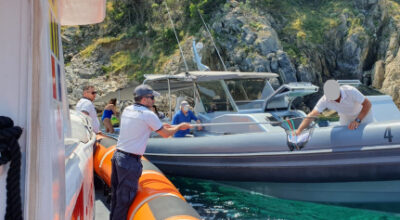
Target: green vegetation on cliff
[
  {"x": 146, "y": 25},
  {"x": 143, "y": 39}
]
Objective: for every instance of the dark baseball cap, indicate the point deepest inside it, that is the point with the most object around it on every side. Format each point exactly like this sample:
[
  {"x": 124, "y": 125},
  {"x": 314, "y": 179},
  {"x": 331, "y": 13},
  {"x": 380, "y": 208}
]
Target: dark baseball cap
[{"x": 143, "y": 90}]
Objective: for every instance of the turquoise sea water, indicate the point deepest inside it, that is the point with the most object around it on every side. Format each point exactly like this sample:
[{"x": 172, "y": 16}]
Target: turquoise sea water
[{"x": 213, "y": 200}]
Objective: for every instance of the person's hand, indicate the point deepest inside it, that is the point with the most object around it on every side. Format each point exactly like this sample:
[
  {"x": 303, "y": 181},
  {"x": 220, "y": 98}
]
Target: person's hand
[
  {"x": 184, "y": 126},
  {"x": 353, "y": 125},
  {"x": 199, "y": 128},
  {"x": 297, "y": 132},
  {"x": 166, "y": 125}
]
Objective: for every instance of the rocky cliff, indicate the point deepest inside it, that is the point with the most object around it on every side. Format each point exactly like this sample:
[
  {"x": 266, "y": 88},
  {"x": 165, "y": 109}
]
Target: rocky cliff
[{"x": 303, "y": 40}]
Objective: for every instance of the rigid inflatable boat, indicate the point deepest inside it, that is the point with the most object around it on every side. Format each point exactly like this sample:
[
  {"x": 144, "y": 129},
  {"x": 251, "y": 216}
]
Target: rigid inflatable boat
[
  {"x": 157, "y": 197},
  {"x": 247, "y": 141}
]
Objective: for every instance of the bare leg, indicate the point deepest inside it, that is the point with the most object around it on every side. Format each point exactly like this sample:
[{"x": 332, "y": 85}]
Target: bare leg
[{"x": 108, "y": 126}]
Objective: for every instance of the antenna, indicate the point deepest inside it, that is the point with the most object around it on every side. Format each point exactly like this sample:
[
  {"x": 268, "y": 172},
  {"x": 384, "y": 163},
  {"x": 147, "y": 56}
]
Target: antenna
[
  {"x": 212, "y": 40},
  {"x": 176, "y": 36}
]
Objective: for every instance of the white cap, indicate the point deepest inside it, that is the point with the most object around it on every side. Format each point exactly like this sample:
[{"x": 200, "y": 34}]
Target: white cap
[
  {"x": 183, "y": 103},
  {"x": 332, "y": 90}
]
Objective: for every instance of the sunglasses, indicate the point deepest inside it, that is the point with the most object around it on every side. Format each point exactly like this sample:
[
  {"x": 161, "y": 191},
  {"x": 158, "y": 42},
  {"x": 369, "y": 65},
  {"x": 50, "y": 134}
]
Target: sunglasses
[
  {"x": 151, "y": 97},
  {"x": 94, "y": 93}
]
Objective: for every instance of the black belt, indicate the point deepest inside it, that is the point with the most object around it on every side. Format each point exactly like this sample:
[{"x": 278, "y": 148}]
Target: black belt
[{"x": 129, "y": 154}]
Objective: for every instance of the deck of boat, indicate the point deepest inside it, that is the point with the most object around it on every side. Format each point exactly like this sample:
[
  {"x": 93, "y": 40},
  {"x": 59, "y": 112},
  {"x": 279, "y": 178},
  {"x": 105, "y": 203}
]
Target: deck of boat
[{"x": 102, "y": 208}]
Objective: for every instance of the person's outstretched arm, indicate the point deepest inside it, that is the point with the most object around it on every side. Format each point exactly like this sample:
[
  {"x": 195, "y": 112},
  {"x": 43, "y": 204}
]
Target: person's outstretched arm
[
  {"x": 199, "y": 123},
  {"x": 193, "y": 117},
  {"x": 307, "y": 121},
  {"x": 169, "y": 130}
]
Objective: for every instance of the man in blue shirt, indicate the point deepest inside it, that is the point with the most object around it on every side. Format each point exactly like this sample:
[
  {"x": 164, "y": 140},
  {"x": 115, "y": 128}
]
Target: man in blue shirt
[{"x": 184, "y": 115}]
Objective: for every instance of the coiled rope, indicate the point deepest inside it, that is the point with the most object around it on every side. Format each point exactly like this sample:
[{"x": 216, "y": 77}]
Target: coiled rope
[{"x": 10, "y": 151}]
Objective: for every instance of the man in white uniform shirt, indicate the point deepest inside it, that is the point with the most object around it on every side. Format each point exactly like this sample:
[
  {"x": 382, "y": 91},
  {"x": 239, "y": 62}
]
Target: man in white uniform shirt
[
  {"x": 352, "y": 106},
  {"x": 137, "y": 122},
  {"x": 85, "y": 105}
]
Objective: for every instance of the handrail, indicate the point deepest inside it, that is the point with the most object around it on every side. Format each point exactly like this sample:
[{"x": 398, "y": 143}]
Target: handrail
[{"x": 247, "y": 123}]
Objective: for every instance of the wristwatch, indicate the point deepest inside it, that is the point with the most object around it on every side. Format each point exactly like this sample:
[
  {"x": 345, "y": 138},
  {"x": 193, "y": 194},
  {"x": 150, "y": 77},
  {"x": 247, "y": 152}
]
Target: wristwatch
[{"x": 358, "y": 120}]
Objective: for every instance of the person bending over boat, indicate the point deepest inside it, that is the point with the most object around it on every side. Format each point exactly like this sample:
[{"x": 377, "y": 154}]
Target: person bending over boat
[
  {"x": 109, "y": 110},
  {"x": 137, "y": 122},
  {"x": 85, "y": 105},
  {"x": 184, "y": 115},
  {"x": 352, "y": 106}
]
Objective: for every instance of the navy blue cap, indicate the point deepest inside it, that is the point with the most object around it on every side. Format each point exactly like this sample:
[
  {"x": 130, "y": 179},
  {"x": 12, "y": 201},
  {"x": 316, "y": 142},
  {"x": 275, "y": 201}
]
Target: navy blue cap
[{"x": 143, "y": 90}]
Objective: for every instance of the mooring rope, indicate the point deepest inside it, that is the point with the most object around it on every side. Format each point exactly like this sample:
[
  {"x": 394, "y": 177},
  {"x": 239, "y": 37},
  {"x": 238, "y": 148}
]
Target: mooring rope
[
  {"x": 10, "y": 151},
  {"x": 176, "y": 36},
  {"x": 212, "y": 40}
]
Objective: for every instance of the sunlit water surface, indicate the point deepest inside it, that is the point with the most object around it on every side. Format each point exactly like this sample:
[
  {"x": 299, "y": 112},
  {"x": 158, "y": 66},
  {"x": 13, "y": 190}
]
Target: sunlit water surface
[{"x": 213, "y": 200}]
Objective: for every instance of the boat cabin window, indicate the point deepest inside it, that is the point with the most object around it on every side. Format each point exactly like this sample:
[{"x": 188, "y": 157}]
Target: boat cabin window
[
  {"x": 247, "y": 93},
  {"x": 213, "y": 96}
]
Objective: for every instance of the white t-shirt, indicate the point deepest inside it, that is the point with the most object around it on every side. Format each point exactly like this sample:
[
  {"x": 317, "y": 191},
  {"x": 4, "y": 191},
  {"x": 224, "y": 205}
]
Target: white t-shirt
[
  {"x": 137, "y": 123},
  {"x": 85, "y": 105},
  {"x": 349, "y": 106}
]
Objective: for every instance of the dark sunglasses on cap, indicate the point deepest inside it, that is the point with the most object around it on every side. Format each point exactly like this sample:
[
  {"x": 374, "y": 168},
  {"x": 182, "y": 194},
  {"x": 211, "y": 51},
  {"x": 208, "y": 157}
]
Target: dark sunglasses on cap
[{"x": 151, "y": 97}]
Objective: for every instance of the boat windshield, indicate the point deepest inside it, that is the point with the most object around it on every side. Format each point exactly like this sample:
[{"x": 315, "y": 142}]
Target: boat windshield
[
  {"x": 247, "y": 93},
  {"x": 213, "y": 97}
]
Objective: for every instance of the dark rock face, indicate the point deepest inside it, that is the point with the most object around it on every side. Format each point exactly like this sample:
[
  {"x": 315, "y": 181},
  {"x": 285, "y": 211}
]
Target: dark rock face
[
  {"x": 259, "y": 48},
  {"x": 349, "y": 60},
  {"x": 267, "y": 44},
  {"x": 286, "y": 67}
]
